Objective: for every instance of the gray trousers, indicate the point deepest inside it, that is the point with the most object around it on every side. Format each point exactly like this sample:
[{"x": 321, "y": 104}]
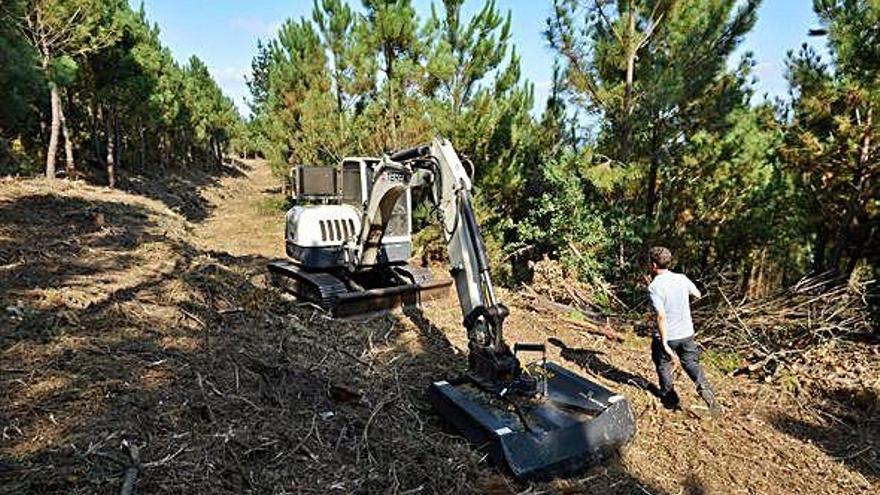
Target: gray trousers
[{"x": 689, "y": 354}]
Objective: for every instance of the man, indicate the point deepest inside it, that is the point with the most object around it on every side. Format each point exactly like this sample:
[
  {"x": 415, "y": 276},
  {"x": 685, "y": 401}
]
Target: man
[{"x": 674, "y": 334}]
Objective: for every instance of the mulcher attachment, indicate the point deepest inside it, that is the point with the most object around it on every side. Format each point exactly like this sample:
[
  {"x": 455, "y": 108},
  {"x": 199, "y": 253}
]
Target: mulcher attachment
[
  {"x": 571, "y": 423},
  {"x": 345, "y": 295}
]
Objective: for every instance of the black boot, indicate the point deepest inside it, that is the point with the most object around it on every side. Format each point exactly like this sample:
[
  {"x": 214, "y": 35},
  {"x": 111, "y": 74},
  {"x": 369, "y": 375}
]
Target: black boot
[{"x": 670, "y": 400}]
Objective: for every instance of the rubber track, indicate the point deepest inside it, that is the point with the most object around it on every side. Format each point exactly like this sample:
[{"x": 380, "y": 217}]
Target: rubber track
[{"x": 318, "y": 287}]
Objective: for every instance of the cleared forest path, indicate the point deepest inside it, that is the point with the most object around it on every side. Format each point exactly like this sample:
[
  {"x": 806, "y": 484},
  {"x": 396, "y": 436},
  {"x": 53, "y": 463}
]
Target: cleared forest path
[{"x": 247, "y": 215}]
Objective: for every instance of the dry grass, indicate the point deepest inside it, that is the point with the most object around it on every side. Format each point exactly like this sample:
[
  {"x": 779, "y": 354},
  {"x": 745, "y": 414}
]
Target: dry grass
[{"x": 124, "y": 324}]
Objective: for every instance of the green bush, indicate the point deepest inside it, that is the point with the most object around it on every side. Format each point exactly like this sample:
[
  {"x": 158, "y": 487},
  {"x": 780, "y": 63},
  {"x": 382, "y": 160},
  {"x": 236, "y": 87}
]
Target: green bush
[{"x": 272, "y": 205}]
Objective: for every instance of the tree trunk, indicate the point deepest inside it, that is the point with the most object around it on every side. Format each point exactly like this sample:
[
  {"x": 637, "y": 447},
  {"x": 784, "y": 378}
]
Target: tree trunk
[
  {"x": 652, "y": 187},
  {"x": 111, "y": 154},
  {"x": 70, "y": 167},
  {"x": 757, "y": 285},
  {"x": 338, "y": 74},
  {"x": 651, "y": 198},
  {"x": 389, "y": 74},
  {"x": 55, "y": 129},
  {"x": 844, "y": 231},
  {"x": 214, "y": 152},
  {"x": 94, "y": 117},
  {"x": 117, "y": 140},
  {"x": 163, "y": 151},
  {"x": 143, "y": 144},
  {"x": 630, "y": 76},
  {"x": 819, "y": 249}
]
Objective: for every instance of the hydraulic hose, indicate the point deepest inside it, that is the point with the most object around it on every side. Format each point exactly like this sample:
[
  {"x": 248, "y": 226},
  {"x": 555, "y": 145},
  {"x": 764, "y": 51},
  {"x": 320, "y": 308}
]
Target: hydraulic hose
[
  {"x": 467, "y": 211},
  {"x": 410, "y": 153}
]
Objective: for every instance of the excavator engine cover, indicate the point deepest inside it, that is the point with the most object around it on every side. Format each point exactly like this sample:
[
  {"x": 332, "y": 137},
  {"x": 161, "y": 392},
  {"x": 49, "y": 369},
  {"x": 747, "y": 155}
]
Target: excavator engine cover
[{"x": 574, "y": 423}]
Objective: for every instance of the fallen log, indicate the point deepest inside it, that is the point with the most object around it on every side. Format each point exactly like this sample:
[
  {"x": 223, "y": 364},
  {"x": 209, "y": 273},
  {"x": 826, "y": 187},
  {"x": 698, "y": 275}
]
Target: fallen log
[{"x": 604, "y": 330}]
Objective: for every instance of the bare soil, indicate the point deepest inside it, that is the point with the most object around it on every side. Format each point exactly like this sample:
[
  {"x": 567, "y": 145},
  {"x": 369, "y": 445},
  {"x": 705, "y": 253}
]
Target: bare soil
[{"x": 142, "y": 321}]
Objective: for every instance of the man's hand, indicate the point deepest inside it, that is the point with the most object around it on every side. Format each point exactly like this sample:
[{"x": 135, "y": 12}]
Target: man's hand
[
  {"x": 661, "y": 329},
  {"x": 669, "y": 351}
]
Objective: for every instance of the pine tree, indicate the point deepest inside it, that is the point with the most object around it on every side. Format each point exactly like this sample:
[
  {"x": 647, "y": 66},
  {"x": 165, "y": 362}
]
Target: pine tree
[
  {"x": 392, "y": 32},
  {"x": 833, "y": 141},
  {"x": 335, "y": 21},
  {"x": 115, "y": 93},
  {"x": 654, "y": 70},
  {"x": 24, "y": 89},
  {"x": 61, "y": 31},
  {"x": 476, "y": 99},
  {"x": 258, "y": 82}
]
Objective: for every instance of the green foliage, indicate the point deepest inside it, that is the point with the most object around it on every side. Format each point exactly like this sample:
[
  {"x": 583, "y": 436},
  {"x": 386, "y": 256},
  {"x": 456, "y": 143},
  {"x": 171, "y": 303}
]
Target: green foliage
[
  {"x": 340, "y": 83},
  {"x": 121, "y": 92},
  {"x": 273, "y": 205},
  {"x": 564, "y": 222},
  {"x": 733, "y": 200},
  {"x": 576, "y": 315},
  {"x": 24, "y": 90},
  {"x": 723, "y": 362},
  {"x": 72, "y": 28},
  {"x": 831, "y": 143},
  {"x": 63, "y": 70},
  {"x": 675, "y": 154},
  {"x": 680, "y": 157}
]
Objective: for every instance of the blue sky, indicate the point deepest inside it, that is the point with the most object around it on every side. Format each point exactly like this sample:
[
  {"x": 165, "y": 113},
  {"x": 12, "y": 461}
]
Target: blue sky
[{"x": 224, "y": 34}]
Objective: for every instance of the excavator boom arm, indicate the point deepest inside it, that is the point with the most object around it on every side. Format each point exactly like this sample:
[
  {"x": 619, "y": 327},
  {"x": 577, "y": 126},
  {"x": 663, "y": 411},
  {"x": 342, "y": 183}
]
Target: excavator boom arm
[
  {"x": 559, "y": 426},
  {"x": 490, "y": 358}
]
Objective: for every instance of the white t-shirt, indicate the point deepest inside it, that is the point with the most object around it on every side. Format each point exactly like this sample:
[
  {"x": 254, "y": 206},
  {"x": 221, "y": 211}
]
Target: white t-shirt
[{"x": 670, "y": 293}]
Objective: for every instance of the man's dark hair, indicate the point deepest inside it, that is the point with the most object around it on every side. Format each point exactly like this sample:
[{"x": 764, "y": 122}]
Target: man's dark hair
[{"x": 660, "y": 256}]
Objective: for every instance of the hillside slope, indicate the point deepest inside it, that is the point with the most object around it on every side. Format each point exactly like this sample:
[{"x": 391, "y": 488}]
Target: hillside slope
[{"x": 141, "y": 322}]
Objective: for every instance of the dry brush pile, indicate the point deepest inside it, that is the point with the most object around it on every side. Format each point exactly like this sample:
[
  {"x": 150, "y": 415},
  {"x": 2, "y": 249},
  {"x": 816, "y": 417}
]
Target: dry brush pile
[{"x": 777, "y": 330}]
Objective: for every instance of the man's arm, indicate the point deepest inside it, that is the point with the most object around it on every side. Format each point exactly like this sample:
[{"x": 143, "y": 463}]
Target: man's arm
[
  {"x": 657, "y": 302},
  {"x": 661, "y": 329},
  {"x": 693, "y": 290}
]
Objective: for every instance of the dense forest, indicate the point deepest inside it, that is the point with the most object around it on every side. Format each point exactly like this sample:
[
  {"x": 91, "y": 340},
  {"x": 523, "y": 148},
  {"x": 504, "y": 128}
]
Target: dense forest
[
  {"x": 88, "y": 82},
  {"x": 652, "y": 133}
]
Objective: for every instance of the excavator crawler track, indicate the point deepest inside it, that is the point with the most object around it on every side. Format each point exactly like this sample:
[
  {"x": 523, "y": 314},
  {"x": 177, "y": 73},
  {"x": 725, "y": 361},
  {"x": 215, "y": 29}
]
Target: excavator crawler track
[
  {"x": 409, "y": 286},
  {"x": 320, "y": 288}
]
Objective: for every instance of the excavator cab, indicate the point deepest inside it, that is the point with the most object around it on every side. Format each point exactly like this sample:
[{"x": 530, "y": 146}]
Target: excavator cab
[
  {"x": 323, "y": 228},
  {"x": 335, "y": 198}
]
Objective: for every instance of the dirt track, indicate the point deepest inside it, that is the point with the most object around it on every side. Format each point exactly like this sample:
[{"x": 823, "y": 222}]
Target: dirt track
[{"x": 144, "y": 319}]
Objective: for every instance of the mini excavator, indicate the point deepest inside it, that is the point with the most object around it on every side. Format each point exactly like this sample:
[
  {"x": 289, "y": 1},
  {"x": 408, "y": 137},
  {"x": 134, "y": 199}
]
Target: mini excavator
[{"x": 348, "y": 251}]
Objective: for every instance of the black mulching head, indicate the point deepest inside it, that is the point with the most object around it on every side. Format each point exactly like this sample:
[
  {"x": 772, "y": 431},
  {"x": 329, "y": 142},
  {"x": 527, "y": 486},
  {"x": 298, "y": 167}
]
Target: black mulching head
[{"x": 578, "y": 424}]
